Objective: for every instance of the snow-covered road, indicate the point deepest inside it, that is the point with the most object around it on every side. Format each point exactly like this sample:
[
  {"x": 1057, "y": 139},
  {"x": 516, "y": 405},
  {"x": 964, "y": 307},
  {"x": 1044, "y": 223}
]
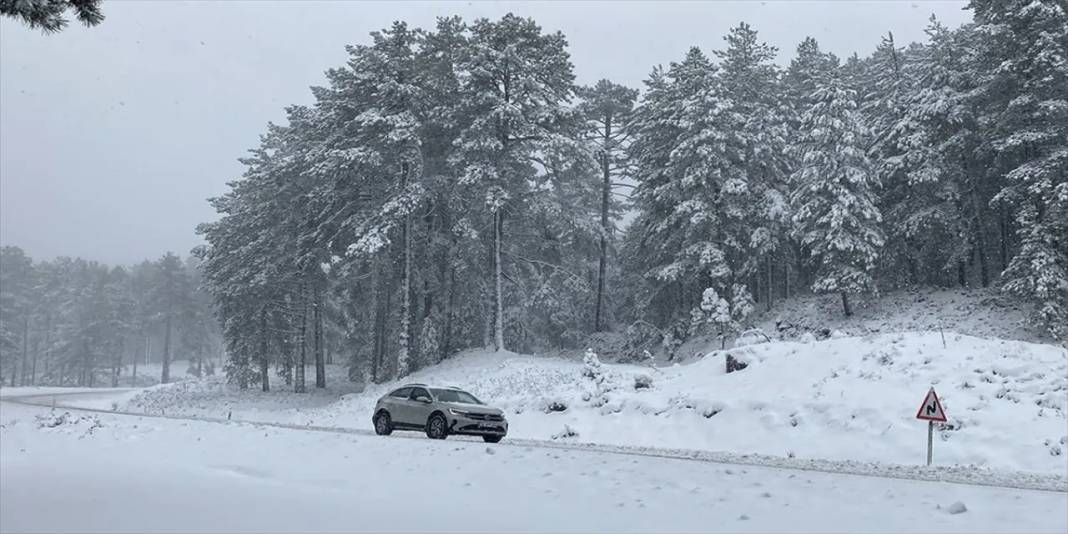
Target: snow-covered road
[
  {"x": 98, "y": 401},
  {"x": 99, "y": 472}
]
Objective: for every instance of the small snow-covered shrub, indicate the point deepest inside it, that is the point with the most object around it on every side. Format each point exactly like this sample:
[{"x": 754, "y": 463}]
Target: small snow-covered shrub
[
  {"x": 598, "y": 383},
  {"x": 567, "y": 432},
  {"x": 555, "y": 405},
  {"x": 591, "y": 365},
  {"x": 723, "y": 314},
  {"x": 643, "y": 382},
  {"x": 69, "y": 422}
]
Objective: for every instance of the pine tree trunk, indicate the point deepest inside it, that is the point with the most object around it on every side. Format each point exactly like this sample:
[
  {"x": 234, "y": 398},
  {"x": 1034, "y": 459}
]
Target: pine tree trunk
[
  {"x": 89, "y": 364},
  {"x": 25, "y": 350},
  {"x": 606, "y": 191},
  {"x": 166, "y": 376},
  {"x": 498, "y": 316},
  {"x": 771, "y": 284},
  {"x": 376, "y": 309},
  {"x": 117, "y": 363},
  {"x": 387, "y": 312},
  {"x": 320, "y": 364},
  {"x": 135, "y": 360},
  {"x": 264, "y": 361},
  {"x": 33, "y": 360},
  {"x": 48, "y": 345},
  {"x": 446, "y": 346},
  {"x": 1003, "y": 230},
  {"x": 980, "y": 249},
  {"x": 406, "y": 301},
  {"x": 302, "y": 340},
  {"x": 845, "y": 305},
  {"x": 962, "y": 276},
  {"x": 786, "y": 279}
]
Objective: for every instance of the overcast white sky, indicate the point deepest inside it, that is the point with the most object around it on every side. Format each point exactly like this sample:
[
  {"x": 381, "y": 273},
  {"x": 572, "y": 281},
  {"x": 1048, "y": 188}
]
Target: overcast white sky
[{"x": 113, "y": 137}]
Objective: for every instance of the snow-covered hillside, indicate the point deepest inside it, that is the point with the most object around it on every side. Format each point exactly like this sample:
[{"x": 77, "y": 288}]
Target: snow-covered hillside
[
  {"x": 846, "y": 398},
  {"x": 980, "y": 312}
]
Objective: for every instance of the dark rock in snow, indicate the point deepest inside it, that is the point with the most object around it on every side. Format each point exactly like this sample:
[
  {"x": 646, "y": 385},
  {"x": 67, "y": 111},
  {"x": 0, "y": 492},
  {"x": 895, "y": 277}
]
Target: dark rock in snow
[{"x": 734, "y": 364}]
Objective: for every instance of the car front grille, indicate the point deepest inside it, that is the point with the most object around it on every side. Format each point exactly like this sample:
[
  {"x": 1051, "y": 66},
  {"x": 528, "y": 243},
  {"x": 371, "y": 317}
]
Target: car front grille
[{"x": 485, "y": 417}]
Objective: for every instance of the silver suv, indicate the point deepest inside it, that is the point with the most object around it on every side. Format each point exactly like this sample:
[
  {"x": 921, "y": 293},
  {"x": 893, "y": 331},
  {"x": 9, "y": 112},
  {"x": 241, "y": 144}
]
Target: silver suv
[{"x": 439, "y": 412}]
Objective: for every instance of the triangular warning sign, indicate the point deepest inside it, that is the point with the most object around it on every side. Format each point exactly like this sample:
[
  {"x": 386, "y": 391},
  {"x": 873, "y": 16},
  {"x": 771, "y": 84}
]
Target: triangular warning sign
[{"x": 931, "y": 409}]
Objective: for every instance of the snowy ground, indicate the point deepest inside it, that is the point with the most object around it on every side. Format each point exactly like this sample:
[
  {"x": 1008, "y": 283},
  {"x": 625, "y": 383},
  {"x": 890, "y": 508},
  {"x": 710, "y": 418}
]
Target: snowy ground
[
  {"x": 840, "y": 399},
  {"x": 124, "y": 474},
  {"x": 980, "y": 312}
]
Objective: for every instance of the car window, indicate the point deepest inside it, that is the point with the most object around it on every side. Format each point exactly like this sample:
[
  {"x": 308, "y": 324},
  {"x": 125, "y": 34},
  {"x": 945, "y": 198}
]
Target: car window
[
  {"x": 455, "y": 395},
  {"x": 419, "y": 392},
  {"x": 401, "y": 393}
]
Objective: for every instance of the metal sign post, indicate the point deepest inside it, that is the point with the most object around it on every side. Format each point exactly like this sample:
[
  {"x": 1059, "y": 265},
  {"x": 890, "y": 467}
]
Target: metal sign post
[
  {"x": 930, "y": 441},
  {"x": 931, "y": 411}
]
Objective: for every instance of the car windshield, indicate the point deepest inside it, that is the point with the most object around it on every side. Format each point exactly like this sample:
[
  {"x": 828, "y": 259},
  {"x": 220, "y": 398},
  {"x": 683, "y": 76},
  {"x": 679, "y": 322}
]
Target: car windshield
[{"x": 454, "y": 395}]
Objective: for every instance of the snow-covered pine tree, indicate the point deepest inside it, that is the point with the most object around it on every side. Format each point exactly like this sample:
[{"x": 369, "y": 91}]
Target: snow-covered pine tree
[
  {"x": 923, "y": 152},
  {"x": 607, "y": 108},
  {"x": 808, "y": 64},
  {"x": 171, "y": 300},
  {"x": 50, "y": 15},
  {"x": 694, "y": 192},
  {"x": 1025, "y": 90},
  {"x": 886, "y": 89},
  {"x": 752, "y": 81},
  {"x": 16, "y": 303},
  {"x": 518, "y": 81},
  {"x": 833, "y": 197},
  {"x": 806, "y": 68}
]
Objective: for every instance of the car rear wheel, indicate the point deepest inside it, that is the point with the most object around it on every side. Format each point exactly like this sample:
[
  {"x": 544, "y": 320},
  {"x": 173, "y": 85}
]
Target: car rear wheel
[
  {"x": 436, "y": 427},
  {"x": 383, "y": 424},
  {"x": 492, "y": 439}
]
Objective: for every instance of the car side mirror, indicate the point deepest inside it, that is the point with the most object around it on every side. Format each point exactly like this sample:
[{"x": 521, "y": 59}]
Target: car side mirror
[{"x": 423, "y": 399}]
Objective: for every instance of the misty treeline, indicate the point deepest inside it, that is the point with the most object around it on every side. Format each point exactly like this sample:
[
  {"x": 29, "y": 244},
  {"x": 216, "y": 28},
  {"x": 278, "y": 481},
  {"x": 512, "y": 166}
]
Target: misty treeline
[
  {"x": 454, "y": 188},
  {"x": 73, "y": 322}
]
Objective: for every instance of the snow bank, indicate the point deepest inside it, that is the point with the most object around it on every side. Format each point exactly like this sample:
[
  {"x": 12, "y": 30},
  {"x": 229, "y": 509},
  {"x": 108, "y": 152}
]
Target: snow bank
[
  {"x": 848, "y": 398},
  {"x": 214, "y": 397},
  {"x": 851, "y": 398}
]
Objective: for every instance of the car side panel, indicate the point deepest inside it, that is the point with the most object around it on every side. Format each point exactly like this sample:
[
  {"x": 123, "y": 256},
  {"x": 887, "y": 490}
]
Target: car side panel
[{"x": 420, "y": 411}]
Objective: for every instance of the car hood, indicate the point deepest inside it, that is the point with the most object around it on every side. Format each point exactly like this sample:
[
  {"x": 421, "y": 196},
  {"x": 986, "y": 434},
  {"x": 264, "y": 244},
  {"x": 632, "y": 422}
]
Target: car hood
[{"x": 474, "y": 408}]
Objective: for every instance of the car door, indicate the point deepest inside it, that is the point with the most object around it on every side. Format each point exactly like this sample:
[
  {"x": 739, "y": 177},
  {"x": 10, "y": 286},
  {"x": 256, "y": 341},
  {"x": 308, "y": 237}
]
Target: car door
[
  {"x": 419, "y": 411},
  {"x": 397, "y": 404}
]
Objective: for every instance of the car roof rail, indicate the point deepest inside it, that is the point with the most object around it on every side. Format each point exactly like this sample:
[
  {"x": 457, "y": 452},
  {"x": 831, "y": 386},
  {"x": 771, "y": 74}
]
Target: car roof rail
[{"x": 414, "y": 384}]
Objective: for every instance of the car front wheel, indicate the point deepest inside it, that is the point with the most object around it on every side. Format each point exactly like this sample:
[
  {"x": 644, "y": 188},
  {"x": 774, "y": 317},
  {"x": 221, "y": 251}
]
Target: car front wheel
[
  {"x": 383, "y": 424},
  {"x": 436, "y": 427}
]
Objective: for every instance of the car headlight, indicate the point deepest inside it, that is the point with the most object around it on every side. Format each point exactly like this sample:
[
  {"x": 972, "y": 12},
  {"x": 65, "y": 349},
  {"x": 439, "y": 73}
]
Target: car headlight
[{"x": 454, "y": 411}]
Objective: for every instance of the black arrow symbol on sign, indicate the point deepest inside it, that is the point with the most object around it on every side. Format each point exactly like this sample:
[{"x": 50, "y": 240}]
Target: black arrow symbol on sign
[{"x": 930, "y": 409}]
